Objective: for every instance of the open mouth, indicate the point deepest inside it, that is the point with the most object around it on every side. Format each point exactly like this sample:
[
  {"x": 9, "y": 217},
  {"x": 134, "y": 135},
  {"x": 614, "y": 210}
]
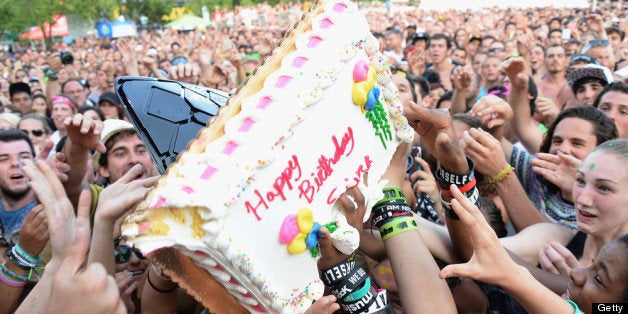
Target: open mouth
[
  {"x": 17, "y": 176},
  {"x": 586, "y": 214}
]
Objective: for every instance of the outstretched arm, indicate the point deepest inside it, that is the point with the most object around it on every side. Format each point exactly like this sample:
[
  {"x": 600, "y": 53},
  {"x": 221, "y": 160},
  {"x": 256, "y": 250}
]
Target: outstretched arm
[
  {"x": 527, "y": 132},
  {"x": 490, "y": 263}
]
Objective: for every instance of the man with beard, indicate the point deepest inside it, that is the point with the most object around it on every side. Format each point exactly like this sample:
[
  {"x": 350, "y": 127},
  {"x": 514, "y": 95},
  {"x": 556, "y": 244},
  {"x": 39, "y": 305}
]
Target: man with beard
[
  {"x": 16, "y": 197},
  {"x": 556, "y": 67}
]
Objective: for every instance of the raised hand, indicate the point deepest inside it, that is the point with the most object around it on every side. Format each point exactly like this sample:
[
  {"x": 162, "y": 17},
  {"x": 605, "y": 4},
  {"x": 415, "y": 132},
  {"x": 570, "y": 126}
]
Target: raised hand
[
  {"x": 557, "y": 259},
  {"x": 515, "y": 69},
  {"x": 85, "y": 132},
  {"x": 58, "y": 163},
  {"x": 64, "y": 228},
  {"x": 493, "y": 111},
  {"x": 490, "y": 262},
  {"x": 424, "y": 181},
  {"x": 416, "y": 61},
  {"x": 34, "y": 231},
  {"x": 548, "y": 109},
  {"x": 461, "y": 78},
  {"x": 437, "y": 132},
  {"x": 558, "y": 169},
  {"x": 184, "y": 72},
  {"x": 123, "y": 195},
  {"x": 485, "y": 151},
  {"x": 126, "y": 286}
]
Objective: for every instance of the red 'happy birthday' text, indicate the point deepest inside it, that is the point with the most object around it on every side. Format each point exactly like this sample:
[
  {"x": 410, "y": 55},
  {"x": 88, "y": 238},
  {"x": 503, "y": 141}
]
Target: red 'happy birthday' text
[{"x": 290, "y": 177}]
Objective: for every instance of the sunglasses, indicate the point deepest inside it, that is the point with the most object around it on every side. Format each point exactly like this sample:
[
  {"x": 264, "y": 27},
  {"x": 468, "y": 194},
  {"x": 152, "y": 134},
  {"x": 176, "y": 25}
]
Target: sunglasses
[
  {"x": 36, "y": 133},
  {"x": 122, "y": 254},
  {"x": 598, "y": 42},
  {"x": 496, "y": 49}
]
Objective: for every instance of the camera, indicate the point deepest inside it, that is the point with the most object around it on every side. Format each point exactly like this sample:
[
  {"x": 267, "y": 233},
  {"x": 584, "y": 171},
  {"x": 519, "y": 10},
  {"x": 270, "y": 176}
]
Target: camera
[{"x": 66, "y": 57}]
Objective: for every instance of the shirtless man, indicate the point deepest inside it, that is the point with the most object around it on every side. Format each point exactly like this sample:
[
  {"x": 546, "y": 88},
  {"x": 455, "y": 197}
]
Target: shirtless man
[{"x": 555, "y": 65}]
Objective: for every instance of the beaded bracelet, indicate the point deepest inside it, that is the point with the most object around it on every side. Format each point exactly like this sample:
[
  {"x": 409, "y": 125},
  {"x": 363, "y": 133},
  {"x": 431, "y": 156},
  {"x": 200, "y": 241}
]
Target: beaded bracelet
[
  {"x": 12, "y": 274},
  {"x": 10, "y": 282},
  {"x": 502, "y": 174},
  {"x": 397, "y": 226}
]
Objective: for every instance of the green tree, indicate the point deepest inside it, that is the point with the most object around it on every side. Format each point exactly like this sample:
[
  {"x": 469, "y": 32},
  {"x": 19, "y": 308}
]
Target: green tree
[
  {"x": 153, "y": 9},
  {"x": 20, "y": 15}
]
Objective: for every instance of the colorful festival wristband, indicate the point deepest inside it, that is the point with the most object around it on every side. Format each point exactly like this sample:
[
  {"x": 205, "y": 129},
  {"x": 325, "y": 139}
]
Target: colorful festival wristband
[
  {"x": 397, "y": 226},
  {"x": 502, "y": 174},
  {"x": 360, "y": 293},
  {"x": 465, "y": 188},
  {"x": 391, "y": 194}
]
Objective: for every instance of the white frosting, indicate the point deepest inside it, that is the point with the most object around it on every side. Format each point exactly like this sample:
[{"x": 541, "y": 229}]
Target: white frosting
[
  {"x": 281, "y": 131},
  {"x": 346, "y": 238}
]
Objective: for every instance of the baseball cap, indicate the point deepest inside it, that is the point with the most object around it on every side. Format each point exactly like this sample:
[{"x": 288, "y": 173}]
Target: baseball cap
[
  {"x": 420, "y": 36},
  {"x": 589, "y": 71},
  {"x": 110, "y": 97},
  {"x": 583, "y": 58},
  {"x": 110, "y": 128}
]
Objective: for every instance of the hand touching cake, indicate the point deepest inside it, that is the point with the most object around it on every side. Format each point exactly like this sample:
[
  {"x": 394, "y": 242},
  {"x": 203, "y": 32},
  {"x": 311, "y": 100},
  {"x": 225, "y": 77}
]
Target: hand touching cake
[{"x": 243, "y": 203}]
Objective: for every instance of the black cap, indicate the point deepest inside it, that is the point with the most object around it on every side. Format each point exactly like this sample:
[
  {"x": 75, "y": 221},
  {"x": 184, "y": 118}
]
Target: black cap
[
  {"x": 19, "y": 88},
  {"x": 420, "y": 36},
  {"x": 110, "y": 97}
]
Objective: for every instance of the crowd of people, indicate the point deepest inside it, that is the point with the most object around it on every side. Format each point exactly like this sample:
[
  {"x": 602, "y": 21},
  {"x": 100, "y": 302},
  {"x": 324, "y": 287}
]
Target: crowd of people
[{"x": 510, "y": 197}]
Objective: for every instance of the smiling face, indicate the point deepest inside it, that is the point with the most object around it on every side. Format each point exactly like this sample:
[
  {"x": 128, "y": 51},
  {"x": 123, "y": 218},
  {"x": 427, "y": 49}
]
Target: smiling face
[
  {"x": 600, "y": 194},
  {"x": 602, "y": 282},
  {"x": 573, "y": 136}
]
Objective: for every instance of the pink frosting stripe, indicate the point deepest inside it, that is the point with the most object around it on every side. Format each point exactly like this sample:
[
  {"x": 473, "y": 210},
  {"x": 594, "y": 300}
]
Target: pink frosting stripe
[
  {"x": 230, "y": 148},
  {"x": 314, "y": 41},
  {"x": 326, "y": 23},
  {"x": 208, "y": 173},
  {"x": 160, "y": 202},
  {"x": 187, "y": 189},
  {"x": 298, "y": 62},
  {"x": 247, "y": 124},
  {"x": 264, "y": 102},
  {"x": 339, "y": 7},
  {"x": 283, "y": 81}
]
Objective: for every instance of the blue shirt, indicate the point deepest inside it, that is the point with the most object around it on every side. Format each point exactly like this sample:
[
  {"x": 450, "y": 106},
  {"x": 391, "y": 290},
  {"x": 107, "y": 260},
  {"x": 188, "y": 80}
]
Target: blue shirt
[{"x": 12, "y": 220}]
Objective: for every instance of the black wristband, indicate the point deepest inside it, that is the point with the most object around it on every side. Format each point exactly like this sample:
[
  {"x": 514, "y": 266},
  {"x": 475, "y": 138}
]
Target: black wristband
[
  {"x": 473, "y": 196},
  {"x": 445, "y": 178},
  {"x": 349, "y": 284},
  {"x": 337, "y": 272},
  {"x": 157, "y": 289},
  {"x": 362, "y": 305}
]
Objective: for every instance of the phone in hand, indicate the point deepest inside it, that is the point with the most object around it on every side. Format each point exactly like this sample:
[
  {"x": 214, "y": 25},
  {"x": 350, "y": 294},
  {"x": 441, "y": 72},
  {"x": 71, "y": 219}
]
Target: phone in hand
[{"x": 416, "y": 152}]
